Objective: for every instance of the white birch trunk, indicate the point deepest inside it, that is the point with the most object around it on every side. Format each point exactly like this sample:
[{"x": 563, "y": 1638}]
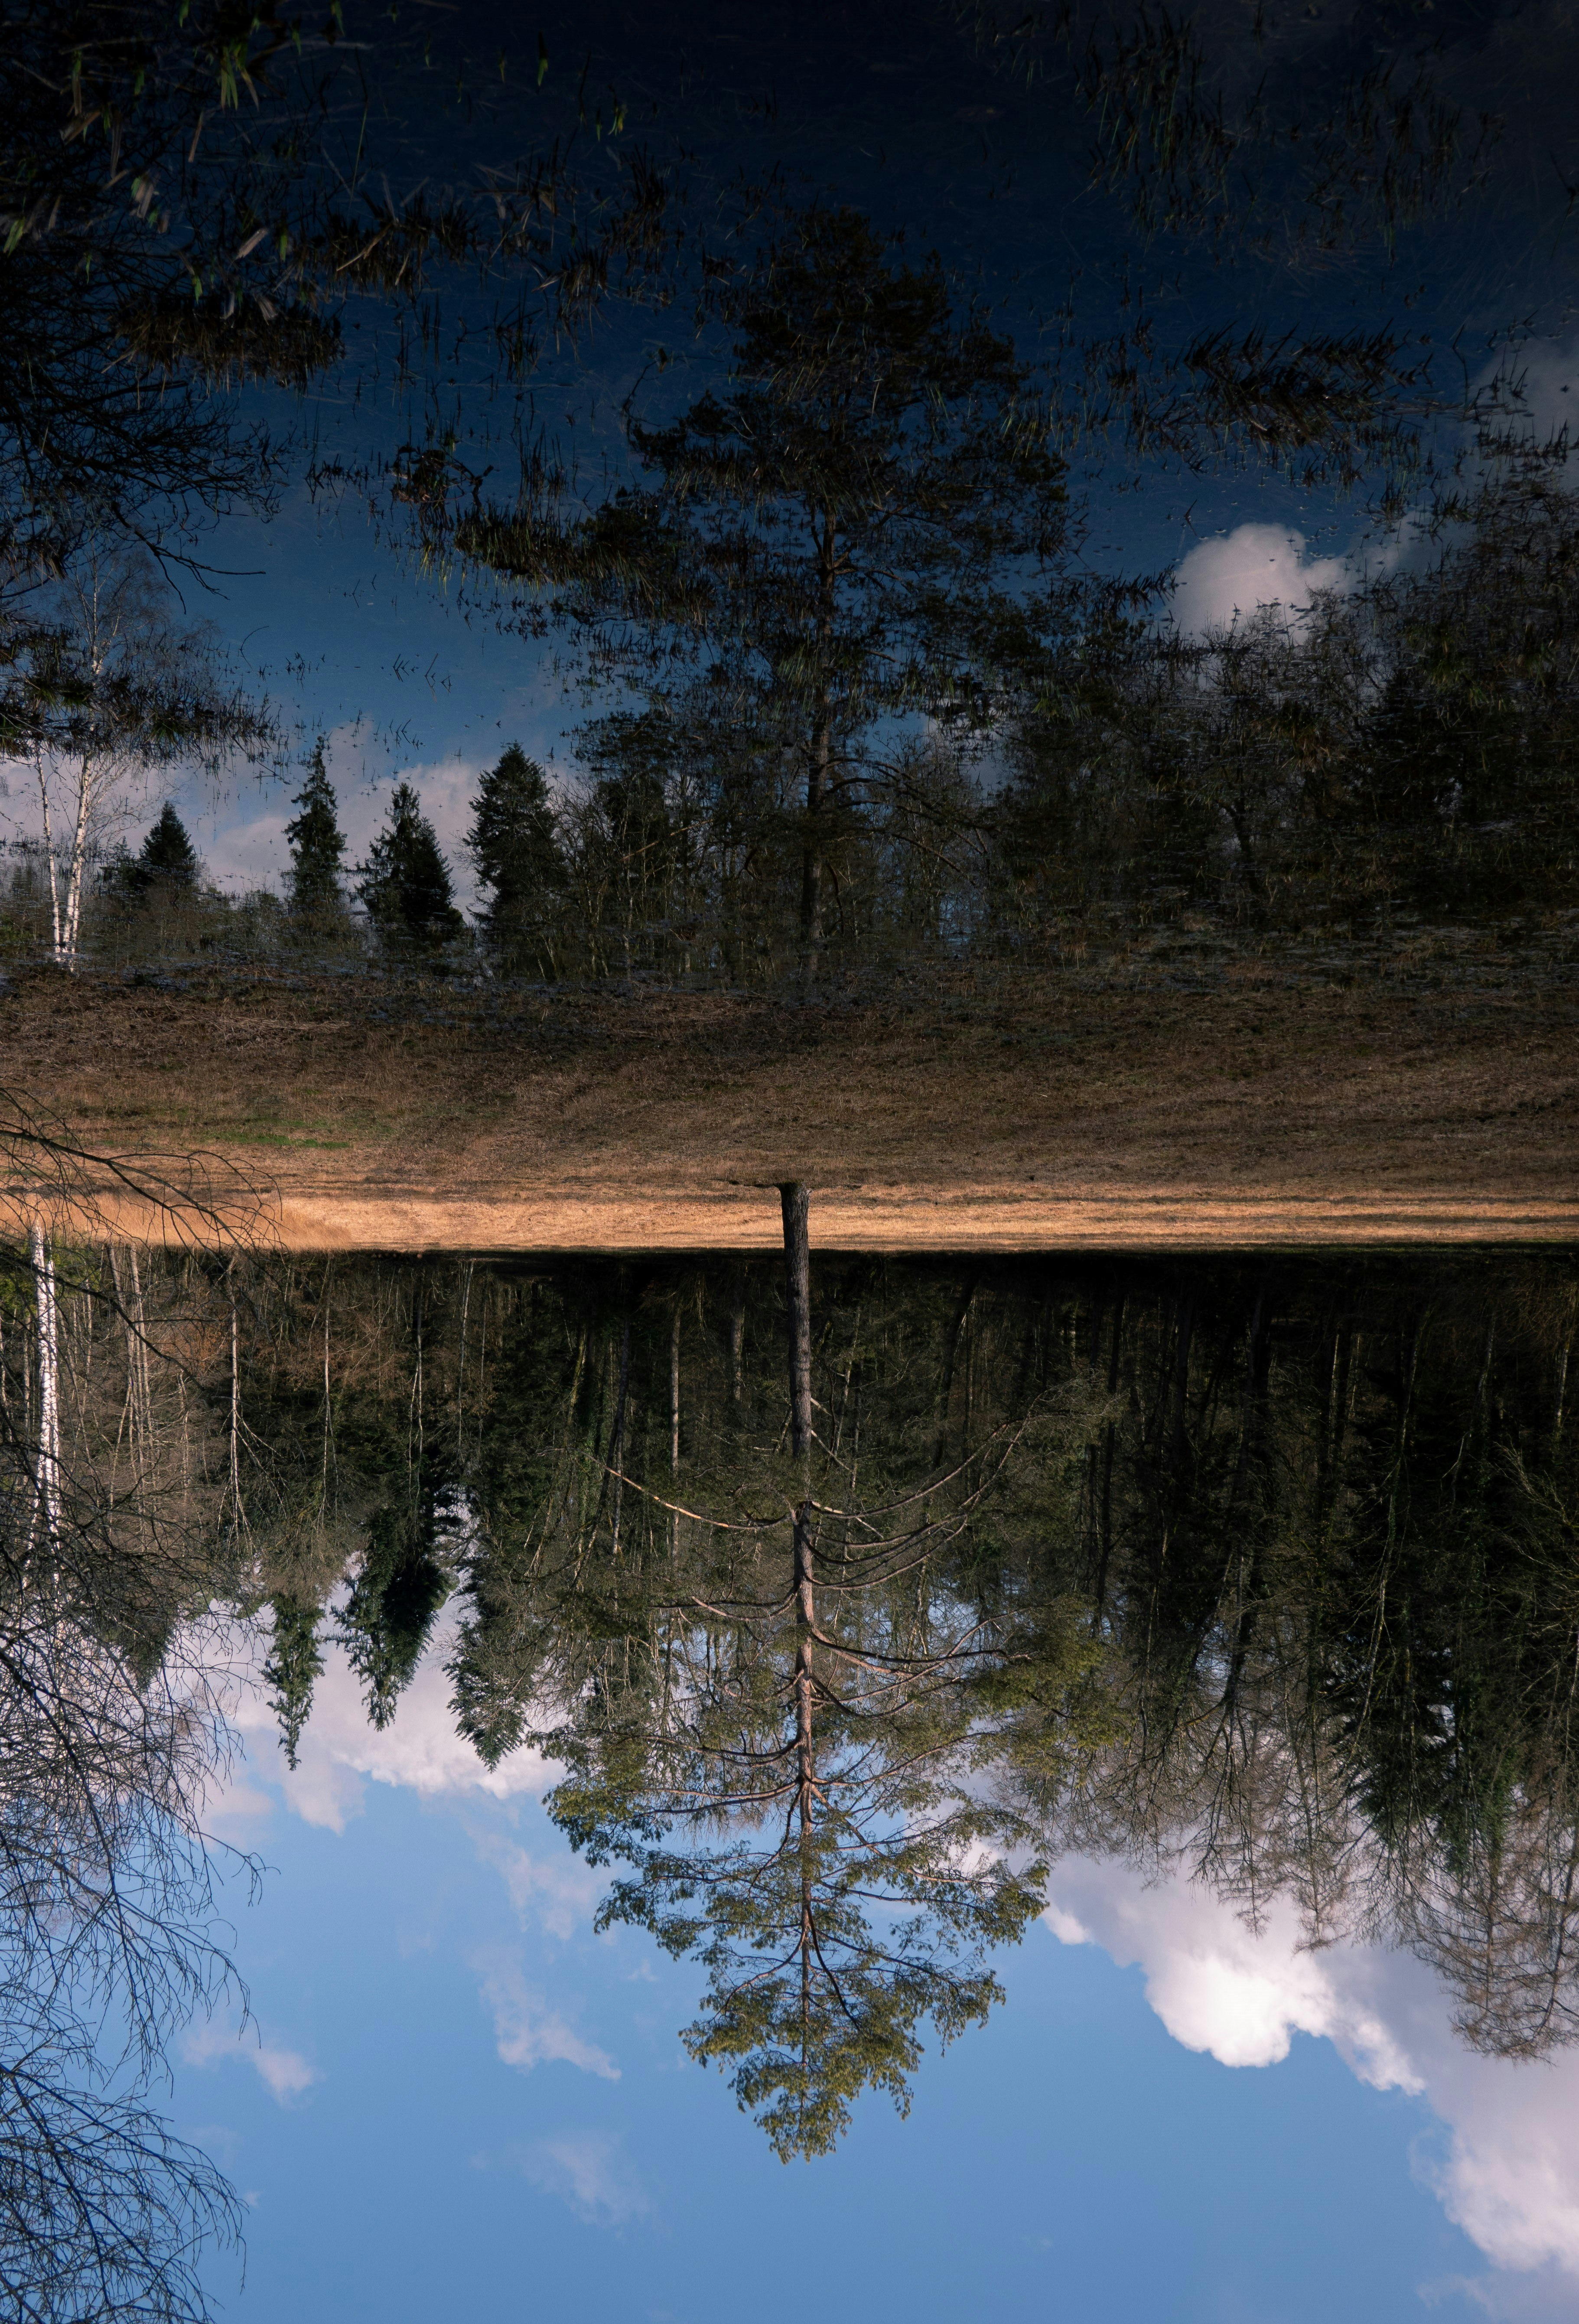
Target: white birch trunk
[
  {"x": 78, "y": 863},
  {"x": 49, "y": 859},
  {"x": 47, "y": 1497}
]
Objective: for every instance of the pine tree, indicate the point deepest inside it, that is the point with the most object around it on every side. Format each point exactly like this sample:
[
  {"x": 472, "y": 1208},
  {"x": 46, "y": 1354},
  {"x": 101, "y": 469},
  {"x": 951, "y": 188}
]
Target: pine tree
[
  {"x": 405, "y": 883},
  {"x": 317, "y": 844},
  {"x": 837, "y": 543},
  {"x": 166, "y": 864},
  {"x": 514, "y": 842}
]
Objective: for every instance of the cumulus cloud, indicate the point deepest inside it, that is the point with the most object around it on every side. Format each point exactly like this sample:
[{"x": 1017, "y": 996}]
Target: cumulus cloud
[
  {"x": 1216, "y": 1986},
  {"x": 559, "y": 1895},
  {"x": 284, "y": 2073},
  {"x": 526, "y": 2031},
  {"x": 1510, "y": 2175},
  {"x": 243, "y": 841},
  {"x": 585, "y": 2168},
  {"x": 342, "y": 1750},
  {"x": 1254, "y": 565}
]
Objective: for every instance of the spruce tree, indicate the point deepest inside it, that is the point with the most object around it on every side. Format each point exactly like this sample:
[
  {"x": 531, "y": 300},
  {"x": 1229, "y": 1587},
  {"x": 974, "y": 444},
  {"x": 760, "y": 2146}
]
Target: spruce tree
[
  {"x": 514, "y": 842},
  {"x": 166, "y": 864},
  {"x": 405, "y": 884},
  {"x": 317, "y": 844}
]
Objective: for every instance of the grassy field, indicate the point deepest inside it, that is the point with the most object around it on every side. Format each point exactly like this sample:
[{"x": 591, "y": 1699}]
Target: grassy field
[{"x": 1257, "y": 1102}]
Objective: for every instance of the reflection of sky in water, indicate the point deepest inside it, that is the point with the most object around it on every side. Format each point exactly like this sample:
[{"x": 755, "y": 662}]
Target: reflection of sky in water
[
  {"x": 460, "y": 2097},
  {"x": 899, "y": 110}
]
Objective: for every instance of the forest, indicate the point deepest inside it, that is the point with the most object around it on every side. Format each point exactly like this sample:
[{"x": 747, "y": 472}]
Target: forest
[
  {"x": 848, "y": 683},
  {"x": 842, "y": 508},
  {"x": 843, "y": 1613}
]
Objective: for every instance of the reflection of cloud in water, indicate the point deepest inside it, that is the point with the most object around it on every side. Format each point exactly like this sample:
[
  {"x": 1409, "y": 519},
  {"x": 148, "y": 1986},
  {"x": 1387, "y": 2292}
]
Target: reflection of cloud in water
[
  {"x": 341, "y": 1751},
  {"x": 1254, "y": 565},
  {"x": 526, "y": 2031},
  {"x": 1510, "y": 2177},
  {"x": 585, "y": 2168}
]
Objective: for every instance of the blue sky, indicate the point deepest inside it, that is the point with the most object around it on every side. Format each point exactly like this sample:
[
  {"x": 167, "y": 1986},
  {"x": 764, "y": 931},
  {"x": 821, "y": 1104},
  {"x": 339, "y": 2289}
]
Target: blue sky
[
  {"x": 891, "y": 106},
  {"x": 457, "y": 2101}
]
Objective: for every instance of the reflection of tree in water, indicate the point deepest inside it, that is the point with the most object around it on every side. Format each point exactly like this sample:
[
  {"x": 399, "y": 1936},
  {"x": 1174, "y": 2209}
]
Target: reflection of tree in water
[
  {"x": 1273, "y": 1582},
  {"x": 1260, "y": 1570},
  {"x": 115, "y": 1531}
]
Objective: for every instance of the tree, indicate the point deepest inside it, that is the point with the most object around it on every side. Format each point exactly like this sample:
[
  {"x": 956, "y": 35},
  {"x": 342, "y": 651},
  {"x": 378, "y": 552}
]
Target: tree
[
  {"x": 165, "y": 866},
  {"x": 767, "y": 1694},
  {"x": 513, "y": 844},
  {"x": 102, "y": 686},
  {"x": 188, "y": 195},
  {"x": 317, "y": 844},
  {"x": 834, "y": 535},
  {"x": 114, "y": 1736},
  {"x": 405, "y": 884}
]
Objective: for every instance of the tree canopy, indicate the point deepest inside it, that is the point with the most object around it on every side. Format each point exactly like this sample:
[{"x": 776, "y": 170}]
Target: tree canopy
[
  {"x": 404, "y": 885},
  {"x": 831, "y": 539}
]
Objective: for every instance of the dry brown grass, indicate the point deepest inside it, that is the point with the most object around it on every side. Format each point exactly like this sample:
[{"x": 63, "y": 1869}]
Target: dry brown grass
[{"x": 1024, "y": 1108}]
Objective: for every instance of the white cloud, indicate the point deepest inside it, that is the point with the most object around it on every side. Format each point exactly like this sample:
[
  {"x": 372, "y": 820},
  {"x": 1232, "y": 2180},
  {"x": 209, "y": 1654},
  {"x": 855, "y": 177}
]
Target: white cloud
[
  {"x": 285, "y": 2073},
  {"x": 584, "y": 2167},
  {"x": 1217, "y": 1987},
  {"x": 561, "y": 1896},
  {"x": 421, "y": 1750},
  {"x": 446, "y": 787},
  {"x": 1254, "y": 565},
  {"x": 527, "y": 2032},
  {"x": 1510, "y": 2177}
]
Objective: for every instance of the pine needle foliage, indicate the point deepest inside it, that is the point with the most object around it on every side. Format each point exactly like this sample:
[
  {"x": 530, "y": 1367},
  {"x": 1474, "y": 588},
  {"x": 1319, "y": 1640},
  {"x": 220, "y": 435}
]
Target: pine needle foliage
[
  {"x": 405, "y": 886},
  {"x": 317, "y": 845}
]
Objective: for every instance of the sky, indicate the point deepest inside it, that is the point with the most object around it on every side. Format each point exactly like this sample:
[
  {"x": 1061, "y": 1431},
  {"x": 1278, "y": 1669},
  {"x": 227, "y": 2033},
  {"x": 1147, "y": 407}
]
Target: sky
[
  {"x": 899, "y": 108},
  {"x": 455, "y": 2099}
]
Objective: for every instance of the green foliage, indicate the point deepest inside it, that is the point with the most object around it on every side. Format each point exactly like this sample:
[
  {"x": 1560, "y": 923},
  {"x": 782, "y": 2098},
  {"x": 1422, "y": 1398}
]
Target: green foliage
[
  {"x": 317, "y": 845},
  {"x": 828, "y": 540},
  {"x": 514, "y": 845},
  {"x": 400, "y": 1586},
  {"x": 294, "y": 1665},
  {"x": 405, "y": 886},
  {"x": 1257, "y": 1571},
  {"x": 165, "y": 867}
]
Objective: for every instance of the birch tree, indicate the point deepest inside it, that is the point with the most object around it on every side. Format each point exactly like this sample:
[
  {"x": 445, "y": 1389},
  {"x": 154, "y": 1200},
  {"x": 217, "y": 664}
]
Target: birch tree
[{"x": 114, "y": 690}]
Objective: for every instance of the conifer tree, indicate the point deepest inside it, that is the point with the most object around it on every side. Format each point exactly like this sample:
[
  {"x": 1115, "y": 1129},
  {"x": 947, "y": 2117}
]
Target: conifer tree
[
  {"x": 835, "y": 541},
  {"x": 405, "y": 883},
  {"x": 515, "y": 844},
  {"x": 165, "y": 864},
  {"x": 316, "y": 844}
]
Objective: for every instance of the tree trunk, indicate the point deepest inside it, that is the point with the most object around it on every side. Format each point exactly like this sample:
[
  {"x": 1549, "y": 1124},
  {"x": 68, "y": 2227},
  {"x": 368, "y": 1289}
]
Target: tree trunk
[
  {"x": 55, "y": 933},
  {"x": 819, "y": 765},
  {"x": 795, "y": 1197},
  {"x": 811, "y": 863},
  {"x": 796, "y": 1203},
  {"x": 78, "y": 864},
  {"x": 47, "y": 1505},
  {"x": 737, "y": 1341}
]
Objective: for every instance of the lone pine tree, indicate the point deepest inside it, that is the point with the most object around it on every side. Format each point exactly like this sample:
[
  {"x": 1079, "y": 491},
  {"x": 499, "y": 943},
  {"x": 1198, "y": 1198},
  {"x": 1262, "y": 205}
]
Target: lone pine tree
[
  {"x": 834, "y": 538},
  {"x": 317, "y": 844},
  {"x": 405, "y": 884},
  {"x": 514, "y": 845}
]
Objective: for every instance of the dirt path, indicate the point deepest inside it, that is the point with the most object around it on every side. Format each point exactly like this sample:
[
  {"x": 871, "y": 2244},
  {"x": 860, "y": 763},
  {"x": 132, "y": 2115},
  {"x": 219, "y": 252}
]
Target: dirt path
[{"x": 1031, "y": 1113}]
